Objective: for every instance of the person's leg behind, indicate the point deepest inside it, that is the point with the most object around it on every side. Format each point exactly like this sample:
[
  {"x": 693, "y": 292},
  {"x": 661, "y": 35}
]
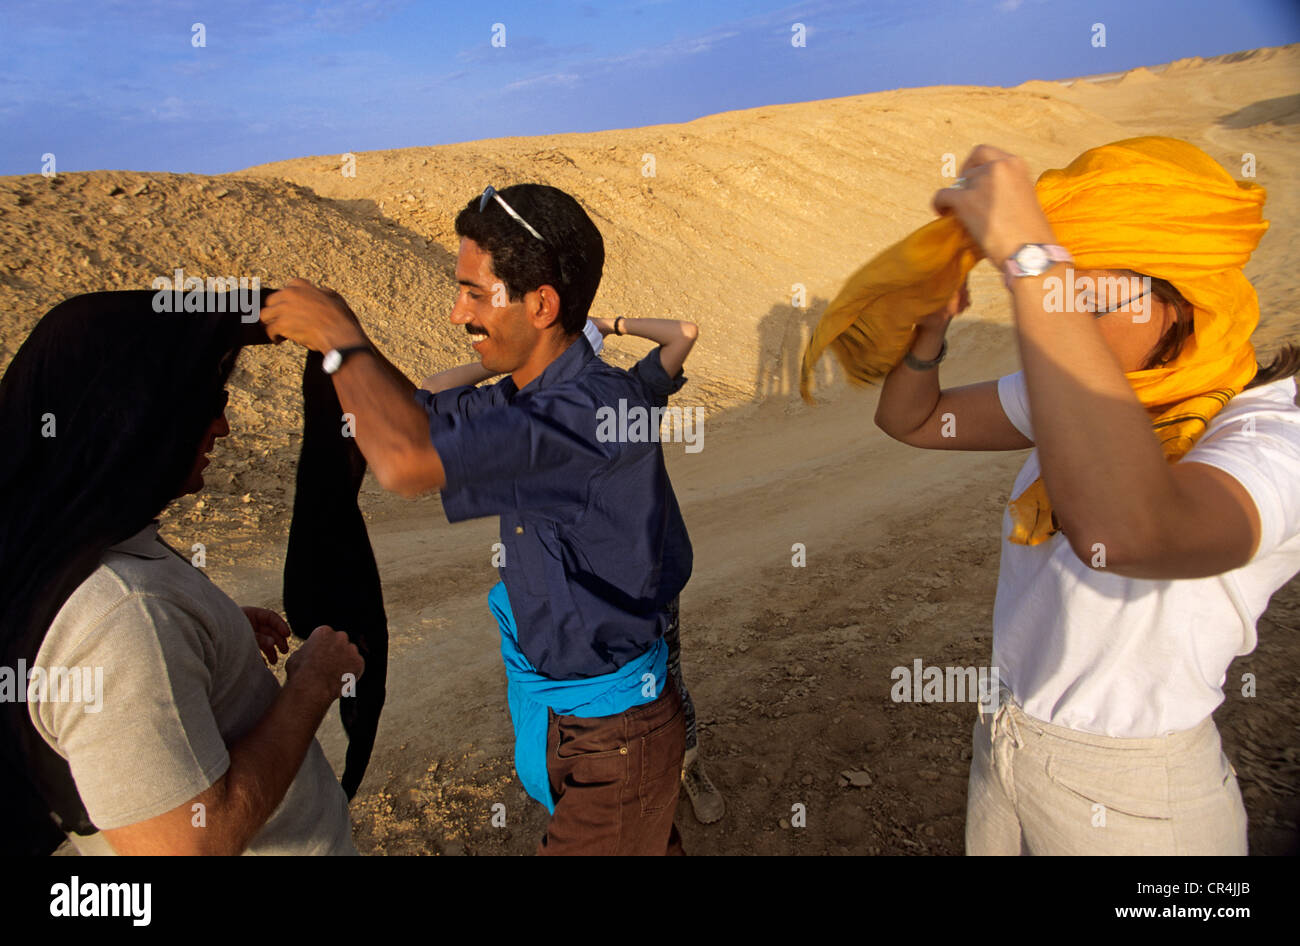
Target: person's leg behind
[{"x": 706, "y": 800}]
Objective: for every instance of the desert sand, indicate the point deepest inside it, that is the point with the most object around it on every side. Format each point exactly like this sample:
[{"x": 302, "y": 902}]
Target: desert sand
[{"x": 789, "y": 667}]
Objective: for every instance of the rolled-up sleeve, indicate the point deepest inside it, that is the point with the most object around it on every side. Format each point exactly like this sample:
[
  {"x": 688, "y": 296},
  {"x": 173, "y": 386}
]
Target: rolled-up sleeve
[
  {"x": 464, "y": 401},
  {"x": 511, "y": 458},
  {"x": 656, "y": 381}
]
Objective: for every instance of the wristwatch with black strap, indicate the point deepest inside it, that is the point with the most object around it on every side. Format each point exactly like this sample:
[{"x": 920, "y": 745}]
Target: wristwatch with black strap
[{"x": 335, "y": 357}]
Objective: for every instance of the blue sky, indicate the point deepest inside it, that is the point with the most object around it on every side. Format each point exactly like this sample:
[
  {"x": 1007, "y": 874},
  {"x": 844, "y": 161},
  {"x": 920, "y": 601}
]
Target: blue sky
[{"x": 120, "y": 84}]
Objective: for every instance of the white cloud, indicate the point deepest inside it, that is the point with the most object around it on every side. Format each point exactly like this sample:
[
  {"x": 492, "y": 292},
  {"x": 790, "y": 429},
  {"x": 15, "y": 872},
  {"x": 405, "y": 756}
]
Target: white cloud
[{"x": 566, "y": 79}]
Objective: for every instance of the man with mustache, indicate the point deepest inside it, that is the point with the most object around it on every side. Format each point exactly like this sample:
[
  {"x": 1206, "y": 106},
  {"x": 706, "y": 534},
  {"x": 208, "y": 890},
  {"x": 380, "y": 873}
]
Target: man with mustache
[{"x": 595, "y": 550}]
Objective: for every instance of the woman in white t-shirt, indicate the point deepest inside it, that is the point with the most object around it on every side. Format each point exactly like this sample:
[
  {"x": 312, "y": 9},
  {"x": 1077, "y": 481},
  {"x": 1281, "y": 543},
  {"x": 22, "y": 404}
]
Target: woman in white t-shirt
[{"x": 1121, "y": 600}]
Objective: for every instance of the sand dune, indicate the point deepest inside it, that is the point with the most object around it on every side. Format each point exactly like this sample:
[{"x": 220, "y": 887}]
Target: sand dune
[{"x": 789, "y": 667}]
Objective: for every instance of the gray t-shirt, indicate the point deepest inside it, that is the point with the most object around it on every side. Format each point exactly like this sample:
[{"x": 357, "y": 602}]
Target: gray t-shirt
[{"x": 170, "y": 675}]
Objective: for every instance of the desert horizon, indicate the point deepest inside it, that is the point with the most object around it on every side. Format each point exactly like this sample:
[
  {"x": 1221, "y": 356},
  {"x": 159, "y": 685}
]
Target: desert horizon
[{"x": 748, "y": 225}]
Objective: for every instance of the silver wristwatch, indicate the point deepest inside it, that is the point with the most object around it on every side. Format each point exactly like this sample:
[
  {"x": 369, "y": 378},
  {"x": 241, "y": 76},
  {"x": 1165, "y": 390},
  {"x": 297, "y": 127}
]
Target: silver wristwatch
[
  {"x": 1034, "y": 259},
  {"x": 335, "y": 357}
]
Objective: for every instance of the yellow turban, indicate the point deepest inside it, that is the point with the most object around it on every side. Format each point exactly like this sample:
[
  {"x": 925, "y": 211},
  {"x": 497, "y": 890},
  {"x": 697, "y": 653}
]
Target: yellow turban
[{"x": 1158, "y": 206}]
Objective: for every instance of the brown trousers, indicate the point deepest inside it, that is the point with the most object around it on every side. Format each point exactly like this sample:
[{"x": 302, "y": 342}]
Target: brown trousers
[{"x": 616, "y": 779}]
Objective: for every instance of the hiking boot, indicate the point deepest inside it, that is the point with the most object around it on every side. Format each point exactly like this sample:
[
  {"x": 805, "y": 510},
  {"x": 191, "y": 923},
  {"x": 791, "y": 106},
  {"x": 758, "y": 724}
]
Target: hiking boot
[{"x": 706, "y": 800}]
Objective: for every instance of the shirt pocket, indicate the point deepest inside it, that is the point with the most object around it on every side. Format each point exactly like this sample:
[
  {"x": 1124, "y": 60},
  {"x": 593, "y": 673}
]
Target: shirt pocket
[
  {"x": 540, "y": 558},
  {"x": 522, "y": 559}
]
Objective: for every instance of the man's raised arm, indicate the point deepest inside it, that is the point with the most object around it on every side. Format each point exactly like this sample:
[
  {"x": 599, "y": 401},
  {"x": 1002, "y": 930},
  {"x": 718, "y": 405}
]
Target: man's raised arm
[{"x": 392, "y": 430}]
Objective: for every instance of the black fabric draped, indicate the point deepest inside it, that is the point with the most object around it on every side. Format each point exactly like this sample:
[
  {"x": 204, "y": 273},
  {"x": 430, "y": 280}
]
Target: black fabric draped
[
  {"x": 330, "y": 576},
  {"x": 128, "y": 395}
]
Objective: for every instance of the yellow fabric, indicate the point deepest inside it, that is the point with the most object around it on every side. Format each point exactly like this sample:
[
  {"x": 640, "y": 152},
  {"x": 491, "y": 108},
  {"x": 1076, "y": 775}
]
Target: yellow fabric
[{"x": 1158, "y": 206}]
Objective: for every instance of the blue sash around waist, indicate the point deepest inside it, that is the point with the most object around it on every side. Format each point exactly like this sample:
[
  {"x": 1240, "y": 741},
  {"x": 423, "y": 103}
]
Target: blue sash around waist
[{"x": 637, "y": 682}]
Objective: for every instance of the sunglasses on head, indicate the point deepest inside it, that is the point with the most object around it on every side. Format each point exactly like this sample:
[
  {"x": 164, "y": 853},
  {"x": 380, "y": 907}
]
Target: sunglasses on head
[
  {"x": 1098, "y": 313},
  {"x": 490, "y": 193}
]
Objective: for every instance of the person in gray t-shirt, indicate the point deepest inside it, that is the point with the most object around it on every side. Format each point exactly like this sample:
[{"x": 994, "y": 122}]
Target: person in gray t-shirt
[{"x": 151, "y": 723}]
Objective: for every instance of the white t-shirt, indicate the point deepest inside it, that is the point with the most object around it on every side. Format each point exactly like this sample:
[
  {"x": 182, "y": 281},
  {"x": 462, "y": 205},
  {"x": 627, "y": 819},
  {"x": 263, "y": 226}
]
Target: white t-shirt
[{"x": 1090, "y": 650}]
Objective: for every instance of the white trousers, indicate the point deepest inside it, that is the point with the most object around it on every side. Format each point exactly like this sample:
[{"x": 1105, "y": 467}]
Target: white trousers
[{"x": 1036, "y": 788}]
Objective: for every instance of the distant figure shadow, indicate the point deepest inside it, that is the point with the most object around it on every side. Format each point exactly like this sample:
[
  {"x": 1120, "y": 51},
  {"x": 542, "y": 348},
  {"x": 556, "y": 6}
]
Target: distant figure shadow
[{"x": 783, "y": 335}]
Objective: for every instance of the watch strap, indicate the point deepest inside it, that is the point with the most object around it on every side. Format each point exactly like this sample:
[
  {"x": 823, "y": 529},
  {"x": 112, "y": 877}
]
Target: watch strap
[
  {"x": 335, "y": 357},
  {"x": 1012, "y": 269}
]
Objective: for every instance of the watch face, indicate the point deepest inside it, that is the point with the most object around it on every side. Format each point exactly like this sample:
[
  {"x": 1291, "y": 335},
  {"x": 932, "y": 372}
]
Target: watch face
[
  {"x": 1033, "y": 259},
  {"x": 332, "y": 361}
]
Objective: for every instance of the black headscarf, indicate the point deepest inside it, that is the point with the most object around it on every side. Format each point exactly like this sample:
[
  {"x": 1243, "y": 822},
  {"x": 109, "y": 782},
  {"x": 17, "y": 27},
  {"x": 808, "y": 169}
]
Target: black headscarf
[
  {"x": 102, "y": 412},
  {"x": 128, "y": 395}
]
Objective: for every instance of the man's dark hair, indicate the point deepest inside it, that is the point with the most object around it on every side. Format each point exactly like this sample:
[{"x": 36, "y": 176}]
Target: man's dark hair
[{"x": 570, "y": 258}]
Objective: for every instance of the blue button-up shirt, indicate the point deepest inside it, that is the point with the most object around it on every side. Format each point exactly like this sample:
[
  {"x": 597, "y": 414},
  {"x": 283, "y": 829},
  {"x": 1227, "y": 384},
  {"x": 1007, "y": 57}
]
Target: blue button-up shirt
[{"x": 595, "y": 546}]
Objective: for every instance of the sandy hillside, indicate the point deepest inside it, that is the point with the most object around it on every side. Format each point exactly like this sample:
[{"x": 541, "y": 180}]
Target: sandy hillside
[{"x": 790, "y": 668}]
